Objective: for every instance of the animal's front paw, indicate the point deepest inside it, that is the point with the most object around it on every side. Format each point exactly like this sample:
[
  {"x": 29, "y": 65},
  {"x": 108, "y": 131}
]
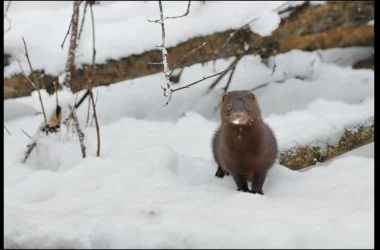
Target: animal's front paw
[
  {"x": 221, "y": 173},
  {"x": 257, "y": 192}
]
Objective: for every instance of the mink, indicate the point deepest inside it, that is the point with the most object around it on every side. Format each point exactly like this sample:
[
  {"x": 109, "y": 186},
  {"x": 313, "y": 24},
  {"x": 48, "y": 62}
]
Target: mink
[{"x": 243, "y": 145}]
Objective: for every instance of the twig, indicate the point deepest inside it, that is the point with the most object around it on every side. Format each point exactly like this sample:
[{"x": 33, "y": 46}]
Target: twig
[
  {"x": 70, "y": 66},
  {"x": 83, "y": 18},
  {"x": 26, "y": 134},
  {"x": 71, "y": 21},
  {"x": 184, "y": 56},
  {"x": 88, "y": 112},
  {"x": 34, "y": 86},
  {"x": 6, "y": 17},
  {"x": 29, "y": 150},
  {"x": 260, "y": 86},
  {"x": 96, "y": 103},
  {"x": 7, "y": 130},
  {"x": 173, "y": 17},
  {"x": 79, "y": 131},
  {"x": 94, "y": 109},
  {"x": 93, "y": 45},
  {"x": 204, "y": 78},
  {"x": 233, "y": 64},
  {"x": 7, "y": 8},
  {"x": 229, "y": 80},
  {"x": 56, "y": 92},
  {"x": 186, "y": 13},
  {"x": 35, "y": 78}
]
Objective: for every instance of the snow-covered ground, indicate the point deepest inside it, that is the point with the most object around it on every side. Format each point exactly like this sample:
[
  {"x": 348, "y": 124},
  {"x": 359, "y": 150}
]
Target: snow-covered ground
[{"x": 154, "y": 184}]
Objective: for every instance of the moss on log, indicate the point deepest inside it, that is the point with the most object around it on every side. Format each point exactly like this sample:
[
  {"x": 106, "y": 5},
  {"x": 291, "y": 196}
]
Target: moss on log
[{"x": 304, "y": 156}]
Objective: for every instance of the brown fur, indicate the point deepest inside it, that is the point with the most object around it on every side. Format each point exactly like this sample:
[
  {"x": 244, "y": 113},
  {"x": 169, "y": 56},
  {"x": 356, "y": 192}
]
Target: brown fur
[{"x": 246, "y": 150}]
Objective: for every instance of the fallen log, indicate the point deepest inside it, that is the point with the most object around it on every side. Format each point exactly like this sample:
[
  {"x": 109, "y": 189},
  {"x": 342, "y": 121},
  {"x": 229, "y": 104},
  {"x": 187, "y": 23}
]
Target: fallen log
[
  {"x": 365, "y": 64},
  {"x": 293, "y": 31},
  {"x": 304, "y": 156}
]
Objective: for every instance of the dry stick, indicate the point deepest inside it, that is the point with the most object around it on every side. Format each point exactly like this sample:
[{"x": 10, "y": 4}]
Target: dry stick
[
  {"x": 93, "y": 45},
  {"x": 7, "y": 8},
  {"x": 26, "y": 134},
  {"x": 82, "y": 23},
  {"x": 204, "y": 78},
  {"x": 35, "y": 78},
  {"x": 229, "y": 80},
  {"x": 34, "y": 86},
  {"x": 6, "y": 17},
  {"x": 93, "y": 106},
  {"x": 93, "y": 64},
  {"x": 96, "y": 103},
  {"x": 173, "y": 17},
  {"x": 184, "y": 56},
  {"x": 71, "y": 21},
  {"x": 29, "y": 150},
  {"x": 56, "y": 92},
  {"x": 79, "y": 131},
  {"x": 7, "y": 130},
  {"x": 260, "y": 86},
  {"x": 88, "y": 112},
  {"x": 70, "y": 66},
  {"x": 186, "y": 13},
  {"x": 233, "y": 64}
]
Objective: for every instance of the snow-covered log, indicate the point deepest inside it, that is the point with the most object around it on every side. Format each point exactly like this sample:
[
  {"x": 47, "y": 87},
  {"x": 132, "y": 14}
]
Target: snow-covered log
[{"x": 305, "y": 156}]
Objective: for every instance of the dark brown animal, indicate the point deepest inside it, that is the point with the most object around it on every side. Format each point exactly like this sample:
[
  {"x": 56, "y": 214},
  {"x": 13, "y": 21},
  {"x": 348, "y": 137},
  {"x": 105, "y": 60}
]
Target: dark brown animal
[{"x": 243, "y": 146}]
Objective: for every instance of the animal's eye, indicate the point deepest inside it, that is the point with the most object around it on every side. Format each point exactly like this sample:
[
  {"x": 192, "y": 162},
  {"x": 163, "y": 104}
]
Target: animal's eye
[{"x": 230, "y": 108}]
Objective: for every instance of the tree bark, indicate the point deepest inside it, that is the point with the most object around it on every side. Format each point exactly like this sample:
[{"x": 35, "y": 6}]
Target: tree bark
[
  {"x": 309, "y": 27},
  {"x": 70, "y": 64},
  {"x": 305, "y": 156}
]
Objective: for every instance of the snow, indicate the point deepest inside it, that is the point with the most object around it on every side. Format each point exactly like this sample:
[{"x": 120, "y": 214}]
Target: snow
[
  {"x": 125, "y": 32},
  {"x": 265, "y": 24},
  {"x": 153, "y": 185}
]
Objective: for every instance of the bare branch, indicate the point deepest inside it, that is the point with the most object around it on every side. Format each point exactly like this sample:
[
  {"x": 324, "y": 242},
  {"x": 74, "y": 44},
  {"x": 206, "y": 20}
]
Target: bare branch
[
  {"x": 70, "y": 63},
  {"x": 83, "y": 18},
  {"x": 93, "y": 45},
  {"x": 96, "y": 103},
  {"x": 173, "y": 17},
  {"x": 34, "y": 86},
  {"x": 229, "y": 80},
  {"x": 93, "y": 106},
  {"x": 7, "y": 8},
  {"x": 26, "y": 134},
  {"x": 232, "y": 65},
  {"x": 6, "y": 17},
  {"x": 156, "y": 63},
  {"x": 56, "y": 92},
  {"x": 186, "y": 13},
  {"x": 88, "y": 112},
  {"x": 76, "y": 9},
  {"x": 79, "y": 131},
  {"x": 184, "y": 56},
  {"x": 204, "y": 78},
  {"x": 260, "y": 86},
  {"x": 29, "y": 150},
  {"x": 7, "y": 130}
]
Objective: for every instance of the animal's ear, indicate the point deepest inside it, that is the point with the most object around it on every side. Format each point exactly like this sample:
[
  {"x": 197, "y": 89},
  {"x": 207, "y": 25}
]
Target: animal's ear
[
  {"x": 251, "y": 95},
  {"x": 224, "y": 98}
]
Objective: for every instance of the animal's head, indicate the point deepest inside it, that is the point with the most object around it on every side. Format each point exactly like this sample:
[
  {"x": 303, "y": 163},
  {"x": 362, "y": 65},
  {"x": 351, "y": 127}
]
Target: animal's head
[{"x": 239, "y": 108}]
